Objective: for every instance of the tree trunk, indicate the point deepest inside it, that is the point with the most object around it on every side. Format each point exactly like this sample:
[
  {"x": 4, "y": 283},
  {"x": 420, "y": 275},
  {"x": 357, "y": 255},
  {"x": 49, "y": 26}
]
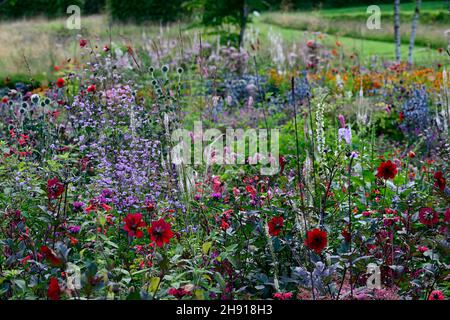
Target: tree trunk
[
  {"x": 243, "y": 23},
  {"x": 397, "y": 30},
  {"x": 413, "y": 31}
]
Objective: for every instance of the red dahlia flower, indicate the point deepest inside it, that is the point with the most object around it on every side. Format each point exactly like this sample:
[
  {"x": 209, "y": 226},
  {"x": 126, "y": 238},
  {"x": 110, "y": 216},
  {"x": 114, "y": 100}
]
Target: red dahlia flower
[
  {"x": 387, "y": 170},
  {"x": 50, "y": 255},
  {"x": 275, "y": 226},
  {"x": 83, "y": 43},
  {"x": 160, "y": 232},
  {"x": 282, "y": 161},
  {"x": 346, "y": 235},
  {"x": 54, "y": 291},
  {"x": 224, "y": 224},
  {"x": 178, "y": 293},
  {"x": 91, "y": 88},
  {"x": 439, "y": 180},
  {"x": 447, "y": 216},
  {"x": 225, "y": 220},
  {"x": 310, "y": 44},
  {"x": 54, "y": 188},
  {"x": 60, "y": 82},
  {"x": 97, "y": 206},
  {"x": 251, "y": 189},
  {"x": 422, "y": 249},
  {"x": 436, "y": 295},
  {"x": 428, "y": 216},
  {"x": 133, "y": 221},
  {"x": 316, "y": 240},
  {"x": 283, "y": 296}
]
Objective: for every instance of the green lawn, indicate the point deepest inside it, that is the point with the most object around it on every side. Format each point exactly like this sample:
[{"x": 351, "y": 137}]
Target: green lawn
[
  {"x": 405, "y": 7},
  {"x": 349, "y": 25},
  {"x": 363, "y": 47}
]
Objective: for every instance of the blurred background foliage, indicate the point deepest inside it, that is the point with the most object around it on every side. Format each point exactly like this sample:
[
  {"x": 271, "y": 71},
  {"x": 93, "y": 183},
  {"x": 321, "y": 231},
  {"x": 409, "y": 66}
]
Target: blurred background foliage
[
  {"x": 213, "y": 11},
  {"x": 13, "y": 9}
]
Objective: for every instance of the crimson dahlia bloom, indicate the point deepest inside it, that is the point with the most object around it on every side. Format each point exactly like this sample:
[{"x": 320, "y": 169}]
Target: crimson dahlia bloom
[
  {"x": 91, "y": 88},
  {"x": 60, "y": 82},
  {"x": 54, "y": 291},
  {"x": 282, "y": 162},
  {"x": 428, "y": 216},
  {"x": 283, "y": 296},
  {"x": 346, "y": 235},
  {"x": 275, "y": 226},
  {"x": 387, "y": 170},
  {"x": 316, "y": 240},
  {"x": 439, "y": 180},
  {"x": 422, "y": 249},
  {"x": 310, "y": 44},
  {"x": 178, "y": 293},
  {"x": 436, "y": 295},
  {"x": 50, "y": 255},
  {"x": 160, "y": 232},
  {"x": 447, "y": 216},
  {"x": 251, "y": 189},
  {"x": 54, "y": 188},
  {"x": 83, "y": 43},
  {"x": 97, "y": 206},
  {"x": 224, "y": 224},
  {"x": 133, "y": 221}
]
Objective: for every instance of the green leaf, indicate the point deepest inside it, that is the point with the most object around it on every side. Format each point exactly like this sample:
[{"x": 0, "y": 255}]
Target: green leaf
[
  {"x": 154, "y": 284},
  {"x": 199, "y": 294},
  {"x": 206, "y": 247},
  {"x": 21, "y": 284}
]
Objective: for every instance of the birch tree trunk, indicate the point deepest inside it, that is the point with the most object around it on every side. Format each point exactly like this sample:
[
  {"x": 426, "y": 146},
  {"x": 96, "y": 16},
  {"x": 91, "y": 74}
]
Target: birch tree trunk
[
  {"x": 243, "y": 23},
  {"x": 413, "y": 31},
  {"x": 397, "y": 30}
]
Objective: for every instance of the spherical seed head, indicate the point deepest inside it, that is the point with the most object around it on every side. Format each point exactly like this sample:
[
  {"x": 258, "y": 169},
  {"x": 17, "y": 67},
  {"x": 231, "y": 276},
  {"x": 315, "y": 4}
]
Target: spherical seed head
[{"x": 35, "y": 98}]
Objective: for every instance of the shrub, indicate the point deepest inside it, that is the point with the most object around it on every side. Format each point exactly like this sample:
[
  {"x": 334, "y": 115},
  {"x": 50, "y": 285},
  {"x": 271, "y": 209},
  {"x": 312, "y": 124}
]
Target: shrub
[
  {"x": 49, "y": 8},
  {"x": 141, "y": 11}
]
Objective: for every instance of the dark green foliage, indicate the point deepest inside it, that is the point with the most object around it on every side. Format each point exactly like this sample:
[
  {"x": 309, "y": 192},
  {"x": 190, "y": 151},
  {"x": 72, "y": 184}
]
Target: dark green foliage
[
  {"x": 49, "y": 8},
  {"x": 233, "y": 12},
  {"x": 142, "y": 11},
  {"x": 316, "y": 4},
  {"x": 219, "y": 12},
  {"x": 211, "y": 12}
]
